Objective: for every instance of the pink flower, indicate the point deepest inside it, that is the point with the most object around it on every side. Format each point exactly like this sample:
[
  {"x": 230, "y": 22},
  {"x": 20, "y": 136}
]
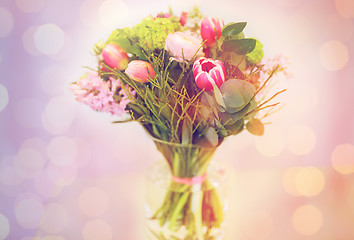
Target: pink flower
[
  {"x": 183, "y": 18},
  {"x": 207, "y": 72},
  {"x": 210, "y": 30},
  {"x": 163, "y": 15},
  {"x": 100, "y": 95},
  {"x": 140, "y": 71},
  {"x": 183, "y": 46},
  {"x": 115, "y": 56}
]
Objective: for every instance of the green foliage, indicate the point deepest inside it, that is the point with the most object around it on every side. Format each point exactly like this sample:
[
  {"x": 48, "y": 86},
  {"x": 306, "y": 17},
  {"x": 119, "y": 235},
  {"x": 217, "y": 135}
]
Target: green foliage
[
  {"x": 233, "y": 30},
  {"x": 237, "y": 94},
  {"x": 151, "y": 33},
  {"x": 147, "y": 36},
  {"x": 239, "y": 46},
  {"x": 256, "y": 55},
  {"x": 124, "y": 38}
]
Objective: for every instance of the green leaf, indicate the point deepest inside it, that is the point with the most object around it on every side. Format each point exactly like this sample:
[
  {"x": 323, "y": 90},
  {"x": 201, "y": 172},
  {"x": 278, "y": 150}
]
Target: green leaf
[
  {"x": 237, "y": 94},
  {"x": 211, "y": 136},
  {"x": 231, "y": 118},
  {"x": 235, "y": 128},
  {"x": 220, "y": 129},
  {"x": 238, "y": 61},
  {"x": 239, "y": 46},
  {"x": 233, "y": 29},
  {"x": 255, "y": 126},
  {"x": 186, "y": 131}
]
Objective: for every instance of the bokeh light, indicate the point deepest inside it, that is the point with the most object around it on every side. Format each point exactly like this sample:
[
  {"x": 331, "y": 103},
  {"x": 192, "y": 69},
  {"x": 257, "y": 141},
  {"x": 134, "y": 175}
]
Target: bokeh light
[
  {"x": 97, "y": 229},
  {"x": 289, "y": 181},
  {"x": 302, "y": 98},
  {"x": 89, "y": 13},
  {"x": 45, "y": 187},
  {"x": 28, "y": 112},
  {"x": 49, "y": 38},
  {"x": 30, "y": 6},
  {"x": 307, "y": 220},
  {"x": 343, "y": 158},
  {"x": 52, "y": 79},
  {"x": 334, "y": 55},
  {"x": 65, "y": 52},
  {"x": 4, "y": 227},
  {"x": 9, "y": 176},
  {"x": 6, "y": 22},
  {"x": 339, "y": 27},
  {"x": 29, "y": 163},
  {"x": 261, "y": 221},
  {"x": 289, "y": 3},
  {"x": 61, "y": 176},
  {"x": 28, "y": 212},
  {"x": 84, "y": 153},
  {"x": 55, "y": 218},
  {"x": 28, "y": 41},
  {"x": 272, "y": 142},
  {"x": 58, "y": 115},
  {"x": 113, "y": 13},
  {"x": 309, "y": 181},
  {"x": 93, "y": 202},
  {"x": 35, "y": 143},
  {"x": 62, "y": 151},
  {"x": 4, "y": 97},
  {"x": 301, "y": 139},
  {"x": 345, "y": 8}
]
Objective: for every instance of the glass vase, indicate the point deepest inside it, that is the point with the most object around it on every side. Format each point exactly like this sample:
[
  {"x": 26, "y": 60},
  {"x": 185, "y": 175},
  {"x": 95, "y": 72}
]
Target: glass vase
[{"x": 186, "y": 194}]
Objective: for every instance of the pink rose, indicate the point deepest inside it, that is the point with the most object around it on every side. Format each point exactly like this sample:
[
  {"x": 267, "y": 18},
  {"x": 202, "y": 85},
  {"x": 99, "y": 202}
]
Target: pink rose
[{"x": 182, "y": 45}]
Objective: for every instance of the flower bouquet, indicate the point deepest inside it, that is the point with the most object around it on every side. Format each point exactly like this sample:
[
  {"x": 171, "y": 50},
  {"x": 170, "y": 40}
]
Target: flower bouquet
[{"x": 190, "y": 81}]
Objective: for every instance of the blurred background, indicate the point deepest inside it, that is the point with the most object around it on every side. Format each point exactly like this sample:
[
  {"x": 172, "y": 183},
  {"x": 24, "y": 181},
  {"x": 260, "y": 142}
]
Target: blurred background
[{"x": 67, "y": 172}]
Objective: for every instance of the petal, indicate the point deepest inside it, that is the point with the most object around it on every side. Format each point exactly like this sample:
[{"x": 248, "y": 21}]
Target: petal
[
  {"x": 203, "y": 81},
  {"x": 217, "y": 76}
]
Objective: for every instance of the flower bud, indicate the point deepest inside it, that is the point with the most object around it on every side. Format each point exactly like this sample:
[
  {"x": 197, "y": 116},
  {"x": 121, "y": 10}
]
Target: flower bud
[
  {"x": 140, "y": 71},
  {"x": 114, "y": 56},
  {"x": 210, "y": 30},
  {"x": 163, "y": 15},
  {"x": 183, "y": 18},
  {"x": 207, "y": 72}
]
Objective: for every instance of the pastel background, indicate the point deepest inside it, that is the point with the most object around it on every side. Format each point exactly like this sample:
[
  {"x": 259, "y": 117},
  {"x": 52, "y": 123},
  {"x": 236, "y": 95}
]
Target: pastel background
[{"x": 67, "y": 172}]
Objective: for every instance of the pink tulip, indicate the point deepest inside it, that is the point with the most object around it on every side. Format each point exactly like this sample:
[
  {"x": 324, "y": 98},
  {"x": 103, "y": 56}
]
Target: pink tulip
[
  {"x": 210, "y": 30},
  {"x": 140, "y": 71},
  {"x": 182, "y": 45},
  {"x": 183, "y": 18},
  {"x": 115, "y": 56},
  {"x": 207, "y": 72}
]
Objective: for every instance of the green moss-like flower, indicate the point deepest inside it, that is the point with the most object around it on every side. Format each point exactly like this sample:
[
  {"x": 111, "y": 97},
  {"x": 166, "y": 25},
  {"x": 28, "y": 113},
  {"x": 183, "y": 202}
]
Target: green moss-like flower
[
  {"x": 151, "y": 33},
  {"x": 256, "y": 55}
]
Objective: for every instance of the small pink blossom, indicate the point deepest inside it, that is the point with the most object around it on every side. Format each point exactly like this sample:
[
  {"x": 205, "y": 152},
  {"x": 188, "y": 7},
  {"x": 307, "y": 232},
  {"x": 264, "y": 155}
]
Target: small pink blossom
[
  {"x": 183, "y": 46},
  {"x": 280, "y": 61},
  {"x": 104, "y": 96}
]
